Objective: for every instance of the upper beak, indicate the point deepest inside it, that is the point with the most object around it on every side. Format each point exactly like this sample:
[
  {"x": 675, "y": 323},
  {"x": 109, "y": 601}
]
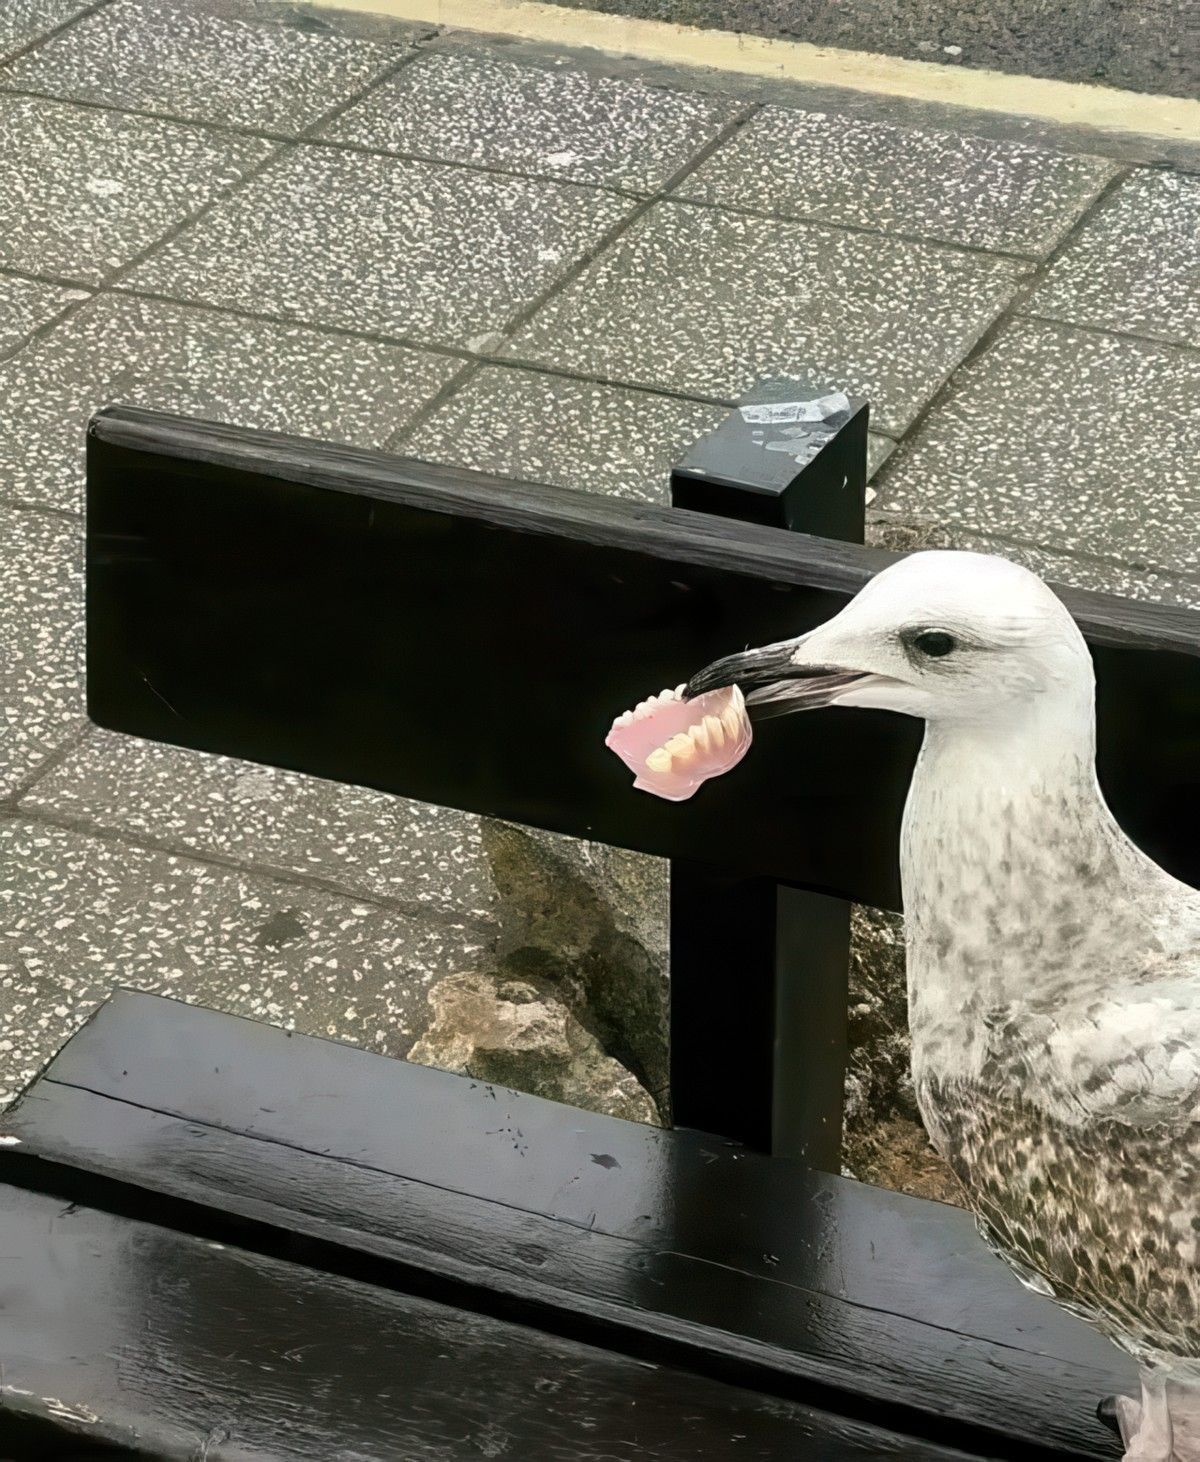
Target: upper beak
[{"x": 771, "y": 680}]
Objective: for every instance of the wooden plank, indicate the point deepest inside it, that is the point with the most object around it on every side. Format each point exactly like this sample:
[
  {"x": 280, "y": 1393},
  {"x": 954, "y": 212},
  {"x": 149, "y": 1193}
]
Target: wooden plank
[
  {"x": 668, "y": 1245},
  {"x": 264, "y": 596},
  {"x": 172, "y": 1346}
]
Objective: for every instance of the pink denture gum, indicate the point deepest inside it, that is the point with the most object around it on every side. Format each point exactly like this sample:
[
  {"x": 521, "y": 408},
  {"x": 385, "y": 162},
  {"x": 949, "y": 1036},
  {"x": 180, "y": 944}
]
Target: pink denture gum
[{"x": 673, "y": 746}]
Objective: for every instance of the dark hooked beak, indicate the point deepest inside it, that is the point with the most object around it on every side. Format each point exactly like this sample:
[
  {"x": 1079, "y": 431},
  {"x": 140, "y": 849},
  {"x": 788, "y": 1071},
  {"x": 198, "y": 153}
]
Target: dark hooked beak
[{"x": 772, "y": 684}]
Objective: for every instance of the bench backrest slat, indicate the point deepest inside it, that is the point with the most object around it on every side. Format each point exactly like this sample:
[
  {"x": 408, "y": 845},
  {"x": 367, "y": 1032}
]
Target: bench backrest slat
[{"x": 466, "y": 641}]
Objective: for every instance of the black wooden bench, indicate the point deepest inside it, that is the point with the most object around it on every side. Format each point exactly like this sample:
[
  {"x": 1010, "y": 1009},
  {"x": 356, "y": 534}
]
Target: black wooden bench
[{"x": 224, "y": 1241}]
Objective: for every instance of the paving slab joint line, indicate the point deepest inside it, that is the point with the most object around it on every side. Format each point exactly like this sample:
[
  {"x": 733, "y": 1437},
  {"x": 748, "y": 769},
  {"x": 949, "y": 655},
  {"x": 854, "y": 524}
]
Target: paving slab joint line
[
  {"x": 44, "y": 328},
  {"x": 40, "y": 40},
  {"x": 44, "y": 510},
  {"x": 461, "y": 379},
  {"x": 815, "y": 220},
  {"x": 285, "y": 148},
  {"x": 53, "y": 760},
  {"x": 1187, "y": 347},
  {"x": 885, "y": 519},
  {"x": 1010, "y": 312},
  {"x": 411, "y": 342},
  {"x": 622, "y": 226},
  {"x": 303, "y": 137},
  {"x": 272, "y": 872}
]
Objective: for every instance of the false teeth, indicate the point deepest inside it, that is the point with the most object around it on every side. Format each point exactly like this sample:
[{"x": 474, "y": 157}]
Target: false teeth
[{"x": 673, "y": 745}]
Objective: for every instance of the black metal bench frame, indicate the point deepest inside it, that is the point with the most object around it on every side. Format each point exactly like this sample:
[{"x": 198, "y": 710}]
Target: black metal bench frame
[{"x": 291, "y": 603}]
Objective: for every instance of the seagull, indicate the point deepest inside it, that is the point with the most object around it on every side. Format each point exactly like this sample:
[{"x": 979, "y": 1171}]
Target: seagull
[{"x": 1053, "y": 968}]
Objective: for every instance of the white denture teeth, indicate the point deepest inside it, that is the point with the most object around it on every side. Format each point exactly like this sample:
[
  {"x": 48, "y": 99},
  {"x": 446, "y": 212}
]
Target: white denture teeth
[
  {"x": 714, "y": 731},
  {"x": 660, "y": 760}
]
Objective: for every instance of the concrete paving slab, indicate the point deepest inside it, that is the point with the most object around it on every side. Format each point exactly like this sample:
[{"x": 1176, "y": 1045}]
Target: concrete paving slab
[
  {"x": 1079, "y": 441},
  {"x": 570, "y": 433},
  {"x": 1136, "y": 263},
  {"x": 946, "y": 186},
  {"x": 363, "y": 842},
  {"x": 555, "y": 119},
  {"x": 202, "y": 363},
  {"x": 26, "y": 303},
  {"x": 24, "y": 21},
  {"x": 376, "y": 244},
  {"x": 239, "y": 62},
  {"x": 82, "y": 191},
  {"x": 704, "y": 302},
  {"x": 41, "y": 641},
  {"x": 1106, "y": 576},
  {"x": 80, "y": 916},
  {"x": 578, "y": 434}
]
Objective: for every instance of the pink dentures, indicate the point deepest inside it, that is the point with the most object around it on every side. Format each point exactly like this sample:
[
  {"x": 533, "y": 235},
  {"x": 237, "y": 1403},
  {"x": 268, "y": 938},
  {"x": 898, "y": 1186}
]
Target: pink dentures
[{"x": 673, "y": 746}]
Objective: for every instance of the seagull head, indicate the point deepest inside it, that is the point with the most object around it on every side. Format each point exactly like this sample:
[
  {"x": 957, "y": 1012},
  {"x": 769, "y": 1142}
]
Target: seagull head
[{"x": 960, "y": 638}]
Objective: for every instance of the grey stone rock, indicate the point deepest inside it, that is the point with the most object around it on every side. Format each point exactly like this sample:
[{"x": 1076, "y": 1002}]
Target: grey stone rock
[
  {"x": 518, "y": 1034},
  {"x": 884, "y": 1141},
  {"x": 878, "y": 1081},
  {"x": 589, "y": 921}
]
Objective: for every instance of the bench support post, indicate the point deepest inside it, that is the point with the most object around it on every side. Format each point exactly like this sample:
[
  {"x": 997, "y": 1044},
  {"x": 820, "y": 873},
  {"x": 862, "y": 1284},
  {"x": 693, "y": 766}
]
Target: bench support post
[{"x": 759, "y": 970}]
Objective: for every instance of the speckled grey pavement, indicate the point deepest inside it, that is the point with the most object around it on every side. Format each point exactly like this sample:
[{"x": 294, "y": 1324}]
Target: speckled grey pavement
[
  {"x": 25, "y": 304},
  {"x": 84, "y": 914},
  {"x": 383, "y": 244},
  {"x": 202, "y": 363},
  {"x": 932, "y": 184},
  {"x": 264, "y": 65},
  {"x": 550, "y": 119},
  {"x": 490, "y": 256},
  {"x": 580, "y": 434},
  {"x": 24, "y": 22},
  {"x": 83, "y": 192},
  {"x": 1104, "y": 447},
  {"x": 695, "y": 299},
  {"x": 41, "y": 641},
  {"x": 1136, "y": 265}
]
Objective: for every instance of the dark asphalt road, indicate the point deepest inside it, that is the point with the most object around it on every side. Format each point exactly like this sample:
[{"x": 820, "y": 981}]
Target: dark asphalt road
[{"x": 1142, "y": 45}]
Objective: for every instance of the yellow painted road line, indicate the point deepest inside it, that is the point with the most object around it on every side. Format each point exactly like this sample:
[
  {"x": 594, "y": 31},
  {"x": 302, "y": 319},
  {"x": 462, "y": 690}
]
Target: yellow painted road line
[{"x": 1070, "y": 102}]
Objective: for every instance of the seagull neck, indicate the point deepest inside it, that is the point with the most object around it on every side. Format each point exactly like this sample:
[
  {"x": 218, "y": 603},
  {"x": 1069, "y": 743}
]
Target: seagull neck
[
  {"x": 1007, "y": 849},
  {"x": 1008, "y": 764}
]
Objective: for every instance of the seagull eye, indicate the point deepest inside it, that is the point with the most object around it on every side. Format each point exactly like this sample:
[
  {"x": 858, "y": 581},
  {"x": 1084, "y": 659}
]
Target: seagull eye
[{"x": 934, "y": 642}]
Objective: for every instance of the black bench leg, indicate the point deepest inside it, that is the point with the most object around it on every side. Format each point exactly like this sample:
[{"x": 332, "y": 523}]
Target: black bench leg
[
  {"x": 759, "y": 977},
  {"x": 760, "y": 972}
]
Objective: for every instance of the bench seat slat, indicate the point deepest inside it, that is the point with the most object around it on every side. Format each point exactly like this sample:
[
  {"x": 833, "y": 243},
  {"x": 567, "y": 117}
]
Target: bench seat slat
[{"x": 671, "y": 1245}]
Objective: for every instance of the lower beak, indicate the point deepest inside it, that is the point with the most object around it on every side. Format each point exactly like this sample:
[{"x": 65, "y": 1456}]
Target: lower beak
[{"x": 772, "y": 683}]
